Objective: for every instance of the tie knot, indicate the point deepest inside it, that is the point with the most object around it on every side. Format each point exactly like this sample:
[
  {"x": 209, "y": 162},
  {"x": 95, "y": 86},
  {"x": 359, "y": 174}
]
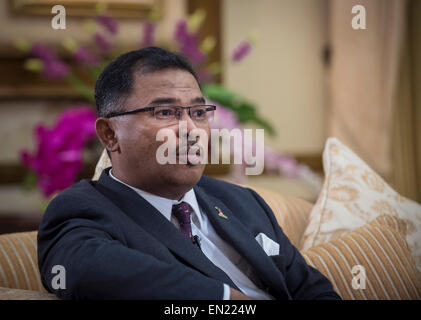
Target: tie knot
[{"x": 182, "y": 212}]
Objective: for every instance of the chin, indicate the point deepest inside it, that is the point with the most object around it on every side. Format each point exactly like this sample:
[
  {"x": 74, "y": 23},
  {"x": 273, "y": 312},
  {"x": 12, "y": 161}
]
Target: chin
[{"x": 188, "y": 174}]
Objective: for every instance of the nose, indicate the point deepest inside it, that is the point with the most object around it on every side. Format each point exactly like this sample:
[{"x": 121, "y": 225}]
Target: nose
[{"x": 186, "y": 117}]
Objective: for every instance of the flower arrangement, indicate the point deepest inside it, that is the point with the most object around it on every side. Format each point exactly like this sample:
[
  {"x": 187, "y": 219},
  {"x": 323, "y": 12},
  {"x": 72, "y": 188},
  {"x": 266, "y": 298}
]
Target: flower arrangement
[
  {"x": 58, "y": 160},
  {"x": 58, "y": 157}
]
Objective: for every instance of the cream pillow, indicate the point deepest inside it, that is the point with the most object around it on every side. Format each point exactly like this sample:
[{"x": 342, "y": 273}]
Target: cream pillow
[
  {"x": 380, "y": 249},
  {"x": 354, "y": 194}
]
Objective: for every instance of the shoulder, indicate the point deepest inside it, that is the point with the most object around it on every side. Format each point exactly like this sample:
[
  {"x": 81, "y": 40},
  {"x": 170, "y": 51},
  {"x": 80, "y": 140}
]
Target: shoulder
[
  {"x": 71, "y": 202},
  {"x": 212, "y": 185},
  {"x": 228, "y": 191},
  {"x": 80, "y": 192},
  {"x": 80, "y": 205},
  {"x": 247, "y": 205}
]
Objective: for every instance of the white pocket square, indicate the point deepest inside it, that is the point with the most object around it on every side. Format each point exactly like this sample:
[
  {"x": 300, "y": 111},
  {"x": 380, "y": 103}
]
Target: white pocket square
[{"x": 269, "y": 246}]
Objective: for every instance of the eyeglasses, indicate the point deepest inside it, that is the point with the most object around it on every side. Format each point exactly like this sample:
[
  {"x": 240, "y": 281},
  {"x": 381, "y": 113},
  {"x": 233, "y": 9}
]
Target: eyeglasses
[{"x": 198, "y": 113}]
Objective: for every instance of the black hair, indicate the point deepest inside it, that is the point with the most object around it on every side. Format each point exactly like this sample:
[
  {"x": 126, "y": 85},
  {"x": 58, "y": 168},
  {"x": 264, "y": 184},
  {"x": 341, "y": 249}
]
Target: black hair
[{"x": 115, "y": 83}]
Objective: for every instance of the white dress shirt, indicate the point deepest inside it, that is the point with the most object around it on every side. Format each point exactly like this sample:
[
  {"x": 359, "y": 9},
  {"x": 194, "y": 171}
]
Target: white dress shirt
[{"x": 214, "y": 248}]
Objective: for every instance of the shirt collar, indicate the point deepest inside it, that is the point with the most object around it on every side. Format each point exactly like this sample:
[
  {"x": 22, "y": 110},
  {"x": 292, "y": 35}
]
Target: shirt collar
[{"x": 164, "y": 205}]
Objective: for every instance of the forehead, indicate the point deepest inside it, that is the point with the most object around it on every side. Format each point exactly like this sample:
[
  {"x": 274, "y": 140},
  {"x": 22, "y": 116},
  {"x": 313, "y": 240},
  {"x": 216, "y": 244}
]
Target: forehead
[{"x": 171, "y": 83}]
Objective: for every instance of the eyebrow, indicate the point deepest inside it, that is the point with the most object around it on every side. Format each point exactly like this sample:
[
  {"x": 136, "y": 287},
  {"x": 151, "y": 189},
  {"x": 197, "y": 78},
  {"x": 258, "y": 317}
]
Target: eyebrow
[{"x": 159, "y": 101}]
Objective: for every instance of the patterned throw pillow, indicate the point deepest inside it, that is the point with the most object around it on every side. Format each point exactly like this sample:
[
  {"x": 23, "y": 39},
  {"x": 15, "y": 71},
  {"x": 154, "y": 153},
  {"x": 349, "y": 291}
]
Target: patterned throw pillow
[
  {"x": 354, "y": 194},
  {"x": 372, "y": 262}
]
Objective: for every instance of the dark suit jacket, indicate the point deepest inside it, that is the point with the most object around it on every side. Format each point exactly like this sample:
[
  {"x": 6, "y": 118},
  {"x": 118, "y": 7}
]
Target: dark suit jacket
[{"x": 114, "y": 245}]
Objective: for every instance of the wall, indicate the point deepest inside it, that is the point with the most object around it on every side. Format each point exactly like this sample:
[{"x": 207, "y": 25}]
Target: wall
[
  {"x": 284, "y": 74},
  {"x": 415, "y": 47}
]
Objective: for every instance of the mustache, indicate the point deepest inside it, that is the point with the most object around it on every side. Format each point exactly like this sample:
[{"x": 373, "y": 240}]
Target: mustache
[{"x": 184, "y": 149}]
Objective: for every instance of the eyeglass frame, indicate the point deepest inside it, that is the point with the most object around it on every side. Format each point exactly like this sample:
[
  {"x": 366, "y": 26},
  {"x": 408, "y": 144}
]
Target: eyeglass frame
[{"x": 145, "y": 109}]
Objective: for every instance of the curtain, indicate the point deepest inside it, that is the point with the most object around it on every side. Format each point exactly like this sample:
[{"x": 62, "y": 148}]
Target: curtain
[
  {"x": 404, "y": 178},
  {"x": 369, "y": 82},
  {"x": 414, "y": 34}
]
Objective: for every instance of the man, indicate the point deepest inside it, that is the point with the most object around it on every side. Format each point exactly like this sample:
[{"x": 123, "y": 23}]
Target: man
[{"x": 146, "y": 230}]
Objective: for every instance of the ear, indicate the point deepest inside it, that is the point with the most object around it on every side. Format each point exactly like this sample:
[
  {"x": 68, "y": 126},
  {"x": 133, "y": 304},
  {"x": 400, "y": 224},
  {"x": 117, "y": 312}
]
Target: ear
[{"x": 106, "y": 133}]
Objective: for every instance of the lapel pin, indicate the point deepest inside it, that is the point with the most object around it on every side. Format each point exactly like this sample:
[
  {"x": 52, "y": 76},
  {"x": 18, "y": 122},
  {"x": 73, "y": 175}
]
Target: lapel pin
[{"x": 220, "y": 213}]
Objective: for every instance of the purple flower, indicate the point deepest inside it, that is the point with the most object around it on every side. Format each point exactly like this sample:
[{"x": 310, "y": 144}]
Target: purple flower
[
  {"x": 42, "y": 52},
  {"x": 108, "y": 22},
  {"x": 55, "y": 69},
  {"x": 148, "y": 34},
  {"x": 241, "y": 51},
  {"x": 275, "y": 163},
  {"x": 52, "y": 66},
  {"x": 223, "y": 118},
  {"x": 289, "y": 167},
  {"x": 204, "y": 75},
  {"x": 192, "y": 53},
  {"x": 189, "y": 43},
  {"x": 278, "y": 163},
  {"x": 84, "y": 56},
  {"x": 181, "y": 31},
  {"x": 58, "y": 158},
  {"x": 102, "y": 42}
]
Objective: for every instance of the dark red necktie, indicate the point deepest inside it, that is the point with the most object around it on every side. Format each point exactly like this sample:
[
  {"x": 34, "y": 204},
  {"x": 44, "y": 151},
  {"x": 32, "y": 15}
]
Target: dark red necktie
[{"x": 182, "y": 213}]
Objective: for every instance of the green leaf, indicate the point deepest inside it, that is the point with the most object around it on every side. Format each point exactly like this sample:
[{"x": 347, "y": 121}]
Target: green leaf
[
  {"x": 29, "y": 181},
  {"x": 96, "y": 71},
  {"x": 33, "y": 64},
  {"x": 84, "y": 89},
  {"x": 245, "y": 111}
]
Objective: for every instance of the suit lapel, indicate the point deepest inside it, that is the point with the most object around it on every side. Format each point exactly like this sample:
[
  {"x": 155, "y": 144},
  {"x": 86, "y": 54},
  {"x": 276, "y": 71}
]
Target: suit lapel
[
  {"x": 233, "y": 232},
  {"x": 153, "y": 222}
]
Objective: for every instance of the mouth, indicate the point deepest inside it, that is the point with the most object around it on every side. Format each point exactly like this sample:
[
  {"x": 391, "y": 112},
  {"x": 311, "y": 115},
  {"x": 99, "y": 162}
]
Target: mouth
[{"x": 192, "y": 159}]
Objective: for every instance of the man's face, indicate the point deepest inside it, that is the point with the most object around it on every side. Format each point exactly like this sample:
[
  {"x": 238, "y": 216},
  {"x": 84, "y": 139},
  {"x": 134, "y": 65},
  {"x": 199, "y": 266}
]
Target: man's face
[{"x": 136, "y": 133}]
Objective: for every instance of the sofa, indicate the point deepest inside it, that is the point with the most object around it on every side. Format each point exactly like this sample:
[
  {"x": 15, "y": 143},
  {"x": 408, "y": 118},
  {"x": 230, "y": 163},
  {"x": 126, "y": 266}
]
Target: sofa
[{"x": 372, "y": 262}]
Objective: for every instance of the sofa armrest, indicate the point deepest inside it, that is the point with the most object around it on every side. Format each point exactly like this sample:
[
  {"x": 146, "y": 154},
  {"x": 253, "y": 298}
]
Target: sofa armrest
[
  {"x": 292, "y": 213},
  {"x": 18, "y": 294}
]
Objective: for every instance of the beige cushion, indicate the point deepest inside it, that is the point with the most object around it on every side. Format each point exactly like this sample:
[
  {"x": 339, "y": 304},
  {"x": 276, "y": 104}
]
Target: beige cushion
[
  {"x": 381, "y": 249},
  {"x": 18, "y": 294},
  {"x": 354, "y": 194},
  {"x": 103, "y": 162},
  {"x": 19, "y": 262}
]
